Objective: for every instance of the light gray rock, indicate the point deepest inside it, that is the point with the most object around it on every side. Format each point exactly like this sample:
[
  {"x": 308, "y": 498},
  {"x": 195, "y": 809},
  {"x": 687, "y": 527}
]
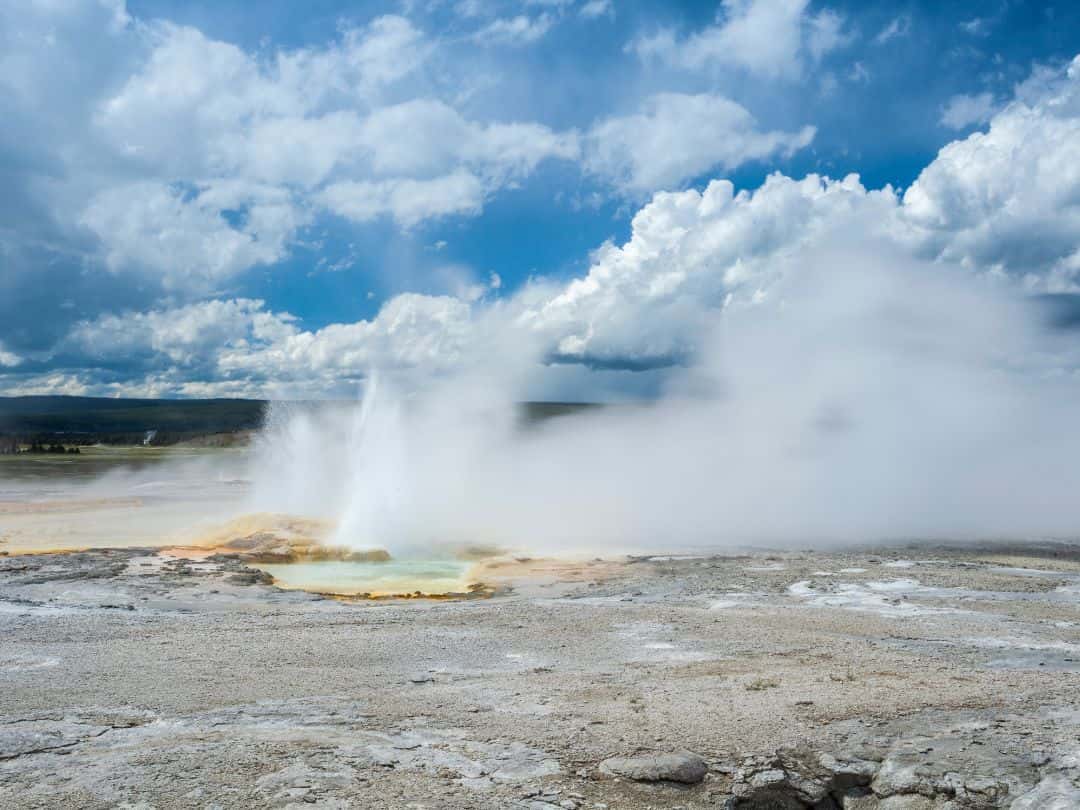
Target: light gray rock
[
  {"x": 1054, "y": 792},
  {"x": 684, "y": 767},
  {"x": 910, "y": 802},
  {"x": 900, "y": 777},
  {"x": 866, "y": 802},
  {"x": 33, "y": 737}
]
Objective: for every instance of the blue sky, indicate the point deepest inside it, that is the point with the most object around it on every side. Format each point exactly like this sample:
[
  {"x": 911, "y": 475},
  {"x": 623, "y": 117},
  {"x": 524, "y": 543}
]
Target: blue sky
[
  {"x": 877, "y": 127},
  {"x": 166, "y": 160}
]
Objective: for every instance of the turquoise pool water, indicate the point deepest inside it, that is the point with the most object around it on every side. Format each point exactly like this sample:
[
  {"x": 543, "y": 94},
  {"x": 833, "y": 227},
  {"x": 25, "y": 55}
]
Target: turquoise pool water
[{"x": 376, "y": 578}]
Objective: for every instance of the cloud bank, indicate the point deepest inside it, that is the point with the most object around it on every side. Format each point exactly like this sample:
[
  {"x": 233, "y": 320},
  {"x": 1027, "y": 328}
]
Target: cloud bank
[
  {"x": 871, "y": 397},
  {"x": 175, "y": 163},
  {"x": 845, "y": 369}
]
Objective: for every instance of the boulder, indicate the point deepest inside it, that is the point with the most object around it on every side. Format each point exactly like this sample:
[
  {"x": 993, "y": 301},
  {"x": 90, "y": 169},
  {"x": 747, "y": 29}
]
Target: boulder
[{"x": 683, "y": 766}]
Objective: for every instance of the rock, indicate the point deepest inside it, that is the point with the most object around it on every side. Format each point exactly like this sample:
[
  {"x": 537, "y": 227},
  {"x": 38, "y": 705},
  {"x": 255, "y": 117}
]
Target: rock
[
  {"x": 798, "y": 777},
  {"x": 909, "y": 802},
  {"x": 864, "y": 802},
  {"x": 768, "y": 778},
  {"x": 1054, "y": 792},
  {"x": 684, "y": 767},
  {"x": 898, "y": 777},
  {"x": 766, "y": 799},
  {"x": 251, "y": 576},
  {"x": 849, "y": 771}
]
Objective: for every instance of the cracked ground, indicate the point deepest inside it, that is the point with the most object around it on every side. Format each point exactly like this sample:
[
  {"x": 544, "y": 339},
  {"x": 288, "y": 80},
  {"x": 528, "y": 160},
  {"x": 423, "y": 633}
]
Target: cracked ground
[{"x": 914, "y": 677}]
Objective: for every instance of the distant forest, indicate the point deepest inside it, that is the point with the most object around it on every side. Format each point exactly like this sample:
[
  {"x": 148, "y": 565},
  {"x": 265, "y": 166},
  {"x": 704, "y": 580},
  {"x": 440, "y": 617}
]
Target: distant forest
[
  {"x": 43, "y": 422},
  {"x": 74, "y": 421}
]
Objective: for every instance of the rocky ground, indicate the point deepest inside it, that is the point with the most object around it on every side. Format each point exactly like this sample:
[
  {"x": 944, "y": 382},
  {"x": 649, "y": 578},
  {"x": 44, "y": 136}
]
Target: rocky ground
[{"x": 919, "y": 677}]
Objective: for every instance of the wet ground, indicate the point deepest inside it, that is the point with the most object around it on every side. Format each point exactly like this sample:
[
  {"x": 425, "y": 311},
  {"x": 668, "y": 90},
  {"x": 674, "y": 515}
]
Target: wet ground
[
  {"x": 118, "y": 496},
  {"x": 918, "y": 676}
]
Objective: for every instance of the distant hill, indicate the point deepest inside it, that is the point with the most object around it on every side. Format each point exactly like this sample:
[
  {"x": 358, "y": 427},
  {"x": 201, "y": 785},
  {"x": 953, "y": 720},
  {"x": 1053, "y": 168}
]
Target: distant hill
[
  {"x": 93, "y": 420},
  {"x": 542, "y": 411},
  {"x": 88, "y": 420}
]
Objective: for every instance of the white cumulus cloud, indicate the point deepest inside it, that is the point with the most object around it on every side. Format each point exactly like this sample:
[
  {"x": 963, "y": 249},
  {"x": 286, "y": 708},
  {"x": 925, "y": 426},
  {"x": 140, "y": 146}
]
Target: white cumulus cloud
[
  {"x": 593, "y": 9},
  {"x": 1008, "y": 200},
  {"x": 768, "y": 38},
  {"x": 676, "y": 137},
  {"x": 519, "y": 30},
  {"x": 408, "y": 201},
  {"x": 190, "y": 159},
  {"x": 963, "y": 110},
  {"x": 183, "y": 235},
  {"x": 298, "y": 133},
  {"x": 8, "y": 359}
]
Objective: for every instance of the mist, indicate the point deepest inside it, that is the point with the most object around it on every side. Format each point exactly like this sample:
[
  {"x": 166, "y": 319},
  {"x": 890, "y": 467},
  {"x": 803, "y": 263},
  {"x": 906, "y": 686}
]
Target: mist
[{"x": 863, "y": 396}]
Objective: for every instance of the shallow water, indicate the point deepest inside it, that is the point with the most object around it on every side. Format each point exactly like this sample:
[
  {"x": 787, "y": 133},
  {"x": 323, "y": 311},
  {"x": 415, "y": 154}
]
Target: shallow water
[
  {"x": 181, "y": 497},
  {"x": 376, "y": 578},
  {"x": 116, "y": 497}
]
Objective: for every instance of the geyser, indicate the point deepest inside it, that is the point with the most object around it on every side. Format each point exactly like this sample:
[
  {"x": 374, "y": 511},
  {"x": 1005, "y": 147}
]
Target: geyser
[{"x": 863, "y": 396}]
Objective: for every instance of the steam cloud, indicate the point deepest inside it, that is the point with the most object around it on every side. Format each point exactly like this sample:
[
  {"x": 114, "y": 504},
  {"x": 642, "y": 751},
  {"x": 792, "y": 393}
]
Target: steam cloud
[
  {"x": 851, "y": 365},
  {"x": 870, "y": 396}
]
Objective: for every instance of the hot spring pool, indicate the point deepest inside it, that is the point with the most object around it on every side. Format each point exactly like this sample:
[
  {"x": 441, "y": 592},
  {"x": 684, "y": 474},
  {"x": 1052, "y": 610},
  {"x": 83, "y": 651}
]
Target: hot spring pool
[{"x": 375, "y": 578}]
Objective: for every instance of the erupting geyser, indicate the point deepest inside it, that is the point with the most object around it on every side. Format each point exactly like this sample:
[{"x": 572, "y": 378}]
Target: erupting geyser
[{"x": 865, "y": 397}]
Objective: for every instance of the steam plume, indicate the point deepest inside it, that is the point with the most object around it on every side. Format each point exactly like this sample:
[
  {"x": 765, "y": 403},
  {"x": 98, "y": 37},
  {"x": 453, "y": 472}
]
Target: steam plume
[{"x": 869, "y": 396}]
